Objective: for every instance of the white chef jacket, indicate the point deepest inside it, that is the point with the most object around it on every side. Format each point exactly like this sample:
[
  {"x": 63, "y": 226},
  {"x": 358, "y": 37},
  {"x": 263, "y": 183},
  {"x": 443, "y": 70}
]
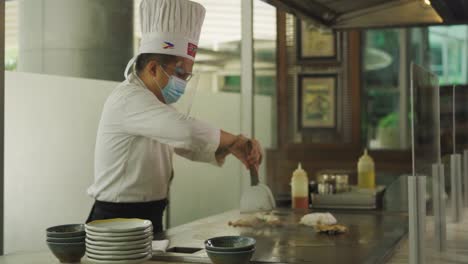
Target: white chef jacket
[{"x": 136, "y": 139}]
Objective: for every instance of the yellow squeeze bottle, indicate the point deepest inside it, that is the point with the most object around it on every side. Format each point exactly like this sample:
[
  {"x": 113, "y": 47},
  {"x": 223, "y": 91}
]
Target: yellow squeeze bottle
[{"x": 366, "y": 172}]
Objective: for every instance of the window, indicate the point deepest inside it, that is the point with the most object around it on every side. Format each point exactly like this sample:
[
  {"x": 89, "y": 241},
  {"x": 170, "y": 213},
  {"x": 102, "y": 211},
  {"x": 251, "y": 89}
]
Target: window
[
  {"x": 448, "y": 50},
  {"x": 382, "y": 88},
  {"x": 387, "y": 54},
  {"x": 11, "y": 35}
]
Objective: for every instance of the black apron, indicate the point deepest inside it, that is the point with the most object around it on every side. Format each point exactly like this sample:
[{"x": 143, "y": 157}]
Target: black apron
[{"x": 152, "y": 211}]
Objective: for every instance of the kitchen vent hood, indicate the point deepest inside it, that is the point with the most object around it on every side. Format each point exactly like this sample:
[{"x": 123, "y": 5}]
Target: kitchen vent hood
[{"x": 349, "y": 14}]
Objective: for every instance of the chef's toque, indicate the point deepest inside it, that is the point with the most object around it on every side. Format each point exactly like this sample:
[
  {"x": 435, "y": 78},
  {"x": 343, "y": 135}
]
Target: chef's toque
[{"x": 169, "y": 27}]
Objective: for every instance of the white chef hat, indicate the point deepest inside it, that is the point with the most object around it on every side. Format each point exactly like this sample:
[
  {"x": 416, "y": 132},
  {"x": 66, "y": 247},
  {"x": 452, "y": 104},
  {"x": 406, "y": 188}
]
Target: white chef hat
[{"x": 169, "y": 27}]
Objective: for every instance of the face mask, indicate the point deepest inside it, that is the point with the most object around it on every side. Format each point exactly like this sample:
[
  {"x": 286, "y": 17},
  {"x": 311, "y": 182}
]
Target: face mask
[{"x": 174, "y": 89}]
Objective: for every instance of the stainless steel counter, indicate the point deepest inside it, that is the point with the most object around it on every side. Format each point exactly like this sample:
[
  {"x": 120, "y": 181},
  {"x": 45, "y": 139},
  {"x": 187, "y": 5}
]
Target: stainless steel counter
[{"x": 372, "y": 238}]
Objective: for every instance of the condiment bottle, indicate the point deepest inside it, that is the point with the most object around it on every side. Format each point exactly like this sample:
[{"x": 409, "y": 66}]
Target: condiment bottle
[
  {"x": 366, "y": 172},
  {"x": 300, "y": 189}
]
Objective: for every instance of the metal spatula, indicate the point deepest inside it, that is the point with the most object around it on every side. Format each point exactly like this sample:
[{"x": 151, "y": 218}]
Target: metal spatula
[{"x": 257, "y": 197}]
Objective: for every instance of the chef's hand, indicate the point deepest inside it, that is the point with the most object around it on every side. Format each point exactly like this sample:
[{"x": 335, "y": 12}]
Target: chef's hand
[
  {"x": 256, "y": 154},
  {"x": 240, "y": 149}
]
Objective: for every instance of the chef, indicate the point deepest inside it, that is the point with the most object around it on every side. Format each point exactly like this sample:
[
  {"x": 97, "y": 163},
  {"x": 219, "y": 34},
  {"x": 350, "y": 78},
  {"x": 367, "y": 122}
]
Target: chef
[{"x": 139, "y": 130}]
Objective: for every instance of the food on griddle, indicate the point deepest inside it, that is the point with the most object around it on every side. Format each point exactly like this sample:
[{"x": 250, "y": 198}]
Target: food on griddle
[
  {"x": 323, "y": 223},
  {"x": 331, "y": 229},
  {"x": 269, "y": 219},
  {"x": 318, "y": 218},
  {"x": 244, "y": 222},
  {"x": 259, "y": 219}
]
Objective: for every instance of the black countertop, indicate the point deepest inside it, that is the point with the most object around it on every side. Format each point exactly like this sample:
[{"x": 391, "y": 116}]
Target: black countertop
[{"x": 372, "y": 238}]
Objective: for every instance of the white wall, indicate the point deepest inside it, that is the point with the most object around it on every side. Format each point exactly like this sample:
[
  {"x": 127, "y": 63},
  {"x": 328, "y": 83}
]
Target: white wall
[
  {"x": 50, "y": 127},
  {"x": 199, "y": 190}
]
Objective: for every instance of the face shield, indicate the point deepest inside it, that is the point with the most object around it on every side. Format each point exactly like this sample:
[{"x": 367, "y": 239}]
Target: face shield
[{"x": 185, "y": 103}]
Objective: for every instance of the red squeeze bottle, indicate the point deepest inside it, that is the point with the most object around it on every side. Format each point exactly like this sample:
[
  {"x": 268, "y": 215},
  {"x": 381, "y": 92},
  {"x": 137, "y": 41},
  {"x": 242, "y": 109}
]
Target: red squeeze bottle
[{"x": 300, "y": 189}]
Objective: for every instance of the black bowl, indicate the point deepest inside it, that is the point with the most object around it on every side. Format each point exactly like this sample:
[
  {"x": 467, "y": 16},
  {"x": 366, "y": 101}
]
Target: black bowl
[
  {"x": 237, "y": 257},
  {"x": 66, "y": 239},
  {"x": 63, "y": 231},
  {"x": 230, "y": 244},
  {"x": 68, "y": 252}
]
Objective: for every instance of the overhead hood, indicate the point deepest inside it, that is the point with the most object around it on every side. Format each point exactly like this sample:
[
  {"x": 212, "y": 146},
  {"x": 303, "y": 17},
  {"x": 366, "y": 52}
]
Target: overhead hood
[{"x": 348, "y": 14}]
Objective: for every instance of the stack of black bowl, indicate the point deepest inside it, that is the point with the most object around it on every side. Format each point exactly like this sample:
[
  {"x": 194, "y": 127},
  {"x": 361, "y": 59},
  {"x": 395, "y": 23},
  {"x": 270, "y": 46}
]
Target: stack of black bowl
[
  {"x": 230, "y": 249},
  {"x": 67, "y": 242}
]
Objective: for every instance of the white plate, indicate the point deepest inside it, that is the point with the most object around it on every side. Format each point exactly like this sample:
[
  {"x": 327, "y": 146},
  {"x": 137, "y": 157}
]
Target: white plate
[
  {"x": 117, "y": 225},
  {"x": 114, "y": 243},
  {"x": 118, "y": 234},
  {"x": 135, "y": 261},
  {"x": 116, "y": 247},
  {"x": 118, "y": 239},
  {"x": 118, "y": 252},
  {"x": 118, "y": 257}
]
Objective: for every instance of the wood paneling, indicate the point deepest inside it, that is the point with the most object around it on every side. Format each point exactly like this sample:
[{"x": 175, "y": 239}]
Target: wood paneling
[
  {"x": 281, "y": 162},
  {"x": 354, "y": 76},
  {"x": 341, "y": 6},
  {"x": 282, "y": 80}
]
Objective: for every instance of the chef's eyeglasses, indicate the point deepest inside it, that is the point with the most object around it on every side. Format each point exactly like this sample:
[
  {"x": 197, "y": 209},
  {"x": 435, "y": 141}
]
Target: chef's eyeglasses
[{"x": 181, "y": 73}]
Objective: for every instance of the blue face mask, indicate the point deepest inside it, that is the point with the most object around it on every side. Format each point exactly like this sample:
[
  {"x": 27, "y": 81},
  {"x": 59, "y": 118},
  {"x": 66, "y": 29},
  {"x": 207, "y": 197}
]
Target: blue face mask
[{"x": 174, "y": 89}]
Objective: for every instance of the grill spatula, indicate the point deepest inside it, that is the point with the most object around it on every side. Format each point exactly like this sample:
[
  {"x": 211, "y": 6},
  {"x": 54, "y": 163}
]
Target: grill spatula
[{"x": 257, "y": 197}]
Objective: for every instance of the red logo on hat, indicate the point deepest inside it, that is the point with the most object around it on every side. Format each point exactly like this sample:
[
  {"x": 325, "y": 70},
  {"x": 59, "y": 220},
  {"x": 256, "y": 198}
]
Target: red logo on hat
[{"x": 192, "y": 49}]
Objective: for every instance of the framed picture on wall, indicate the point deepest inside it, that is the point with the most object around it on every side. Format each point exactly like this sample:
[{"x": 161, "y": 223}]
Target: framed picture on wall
[
  {"x": 316, "y": 45},
  {"x": 317, "y": 100}
]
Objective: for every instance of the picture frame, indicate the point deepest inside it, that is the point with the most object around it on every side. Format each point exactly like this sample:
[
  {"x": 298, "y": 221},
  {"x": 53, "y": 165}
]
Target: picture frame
[
  {"x": 315, "y": 45},
  {"x": 317, "y": 101}
]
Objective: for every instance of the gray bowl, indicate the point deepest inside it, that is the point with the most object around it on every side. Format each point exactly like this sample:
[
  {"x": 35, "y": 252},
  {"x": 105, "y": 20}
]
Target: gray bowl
[
  {"x": 230, "y": 244},
  {"x": 68, "y": 252},
  {"x": 63, "y": 231},
  {"x": 66, "y": 239},
  {"x": 239, "y": 257}
]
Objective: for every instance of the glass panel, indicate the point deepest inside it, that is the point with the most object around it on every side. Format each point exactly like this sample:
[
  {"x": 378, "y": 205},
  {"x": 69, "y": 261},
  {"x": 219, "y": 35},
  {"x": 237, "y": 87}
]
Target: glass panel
[
  {"x": 217, "y": 101},
  {"x": 396, "y": 193},
  {"x": 386, "y": 54},
  {"x": 461, "y": 118},
  {"x": 425, "y": 115},
  {"x": 446, "y": 133},
  {"x": 265, "y": 77},
  {"x": 383, "y": 85},
  {"x": 426, "y": 120},
  {"x": 448, "y": 49},
  {"x": 446, "y": 123},
  {"x": 64, "y": 114}
]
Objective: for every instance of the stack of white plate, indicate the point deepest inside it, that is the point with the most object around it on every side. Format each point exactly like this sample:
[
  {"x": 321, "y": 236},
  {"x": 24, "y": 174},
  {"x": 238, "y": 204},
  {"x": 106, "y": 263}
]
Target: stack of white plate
[{"x": 119, "y": 240}]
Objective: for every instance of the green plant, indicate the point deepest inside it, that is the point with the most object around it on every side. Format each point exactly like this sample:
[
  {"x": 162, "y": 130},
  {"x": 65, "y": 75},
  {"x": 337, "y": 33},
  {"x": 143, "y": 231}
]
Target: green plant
[{"x": 390, "y": 120}]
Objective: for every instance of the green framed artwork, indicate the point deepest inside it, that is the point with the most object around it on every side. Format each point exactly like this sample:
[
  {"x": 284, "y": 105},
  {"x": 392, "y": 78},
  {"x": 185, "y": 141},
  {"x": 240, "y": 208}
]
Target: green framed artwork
[{"x": 317, "y": 100}]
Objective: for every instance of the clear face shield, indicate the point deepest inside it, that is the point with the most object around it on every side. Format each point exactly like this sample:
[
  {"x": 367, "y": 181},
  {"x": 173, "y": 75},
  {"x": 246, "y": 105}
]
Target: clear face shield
[{"x": 185, "y": 102}]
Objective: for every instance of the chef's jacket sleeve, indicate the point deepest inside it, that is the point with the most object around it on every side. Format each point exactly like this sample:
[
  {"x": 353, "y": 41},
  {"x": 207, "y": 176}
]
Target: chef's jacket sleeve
[
  {"x": 201, "y": 156},
  {"x": 146, "y": 116}
]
